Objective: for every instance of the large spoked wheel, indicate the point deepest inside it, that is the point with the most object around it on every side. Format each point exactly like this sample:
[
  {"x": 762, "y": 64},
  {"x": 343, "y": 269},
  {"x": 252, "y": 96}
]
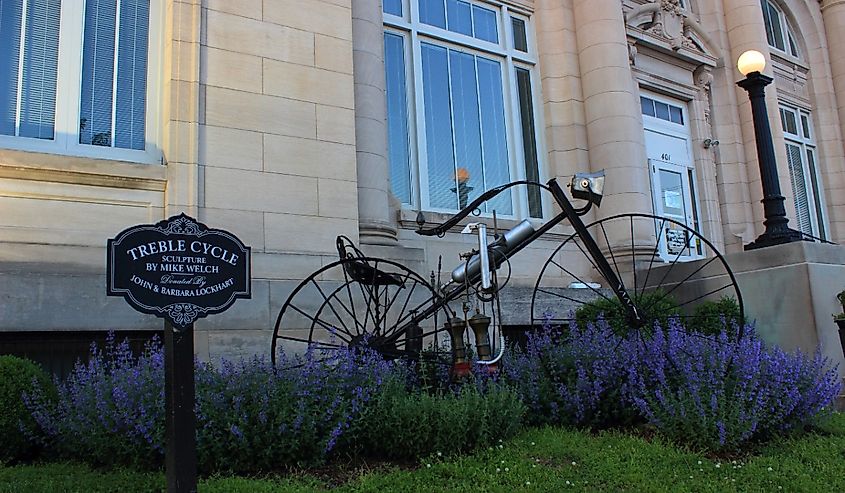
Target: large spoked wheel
[
  {"x": 667, "y": 269},
  {"x": 359, "y": 302}
]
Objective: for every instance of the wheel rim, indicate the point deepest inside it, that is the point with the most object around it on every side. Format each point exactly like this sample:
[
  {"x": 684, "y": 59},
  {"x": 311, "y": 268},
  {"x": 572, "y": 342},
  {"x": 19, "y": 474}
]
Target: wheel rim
[
  {"x": 656, "y": 274},
  {"x": 358, "y": 302}
]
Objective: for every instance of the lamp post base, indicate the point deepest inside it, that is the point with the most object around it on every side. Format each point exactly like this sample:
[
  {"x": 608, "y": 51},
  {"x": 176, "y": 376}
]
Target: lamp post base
[{"x": 775, "y": 237}]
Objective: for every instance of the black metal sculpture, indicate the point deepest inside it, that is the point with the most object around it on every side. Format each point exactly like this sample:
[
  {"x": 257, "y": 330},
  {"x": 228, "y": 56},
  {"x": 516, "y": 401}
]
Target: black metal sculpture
[{"x": 381, "y": 304}]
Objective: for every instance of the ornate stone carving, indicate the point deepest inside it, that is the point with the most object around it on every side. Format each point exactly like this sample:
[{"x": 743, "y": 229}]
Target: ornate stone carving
[{"x": 667, "y": 20}]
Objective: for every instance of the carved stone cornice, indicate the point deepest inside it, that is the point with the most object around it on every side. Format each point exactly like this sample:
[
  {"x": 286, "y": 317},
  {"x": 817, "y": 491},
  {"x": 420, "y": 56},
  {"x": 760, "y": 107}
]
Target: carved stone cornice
[{"x": 667, "y": 23}]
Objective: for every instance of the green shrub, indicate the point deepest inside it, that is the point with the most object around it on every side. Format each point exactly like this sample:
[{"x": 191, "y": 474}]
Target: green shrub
[
  {"x": 16, "y": 377},
  {"x": 711, "y": 317},
  {"x": 655, "y": 305},
  {"x": 399, "y": 424}
]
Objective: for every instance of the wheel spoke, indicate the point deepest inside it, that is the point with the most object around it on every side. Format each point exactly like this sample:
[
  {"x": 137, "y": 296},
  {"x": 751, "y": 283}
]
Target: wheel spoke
[
  {"x": 311, "y": 344},
  {"x": 351, "y": 302},
  {"x": 314, "y": 320},
  {"x": 581, "y": 281},
  {"x": 696, "y": 271},
  {"x": 331, "y": 307},
  {"x": 613, "y": 257},
  {"x": 659, "y": 231}
]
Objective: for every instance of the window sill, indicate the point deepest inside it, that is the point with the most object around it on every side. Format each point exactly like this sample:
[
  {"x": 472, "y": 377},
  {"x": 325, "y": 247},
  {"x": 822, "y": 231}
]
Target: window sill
[{"x": 36, "y": 166}]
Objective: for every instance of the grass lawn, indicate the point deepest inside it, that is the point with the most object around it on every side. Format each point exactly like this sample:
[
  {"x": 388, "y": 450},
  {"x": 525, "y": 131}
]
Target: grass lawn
[{"x": 550, "y": 459}]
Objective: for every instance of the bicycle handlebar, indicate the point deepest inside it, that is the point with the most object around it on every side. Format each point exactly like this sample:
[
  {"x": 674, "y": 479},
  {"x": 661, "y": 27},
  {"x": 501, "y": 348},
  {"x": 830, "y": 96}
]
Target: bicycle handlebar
[{"x": 441, "y": 229}]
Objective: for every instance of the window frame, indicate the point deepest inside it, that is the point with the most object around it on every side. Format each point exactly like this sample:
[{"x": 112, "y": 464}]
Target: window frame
[
  {"x": 804, "y": 139},
  {"x": 790, "y": 45},
  {"x": 65, "y": 139},
  {"x": 414, "y": 34}
]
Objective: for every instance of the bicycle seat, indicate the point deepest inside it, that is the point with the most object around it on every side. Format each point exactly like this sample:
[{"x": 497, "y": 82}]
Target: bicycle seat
[{"x": 359, "y": 269}]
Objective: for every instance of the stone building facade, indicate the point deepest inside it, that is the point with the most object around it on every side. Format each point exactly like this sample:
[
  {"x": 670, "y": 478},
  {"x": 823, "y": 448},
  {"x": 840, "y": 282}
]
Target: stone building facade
[{"x": 288, "y": 122}]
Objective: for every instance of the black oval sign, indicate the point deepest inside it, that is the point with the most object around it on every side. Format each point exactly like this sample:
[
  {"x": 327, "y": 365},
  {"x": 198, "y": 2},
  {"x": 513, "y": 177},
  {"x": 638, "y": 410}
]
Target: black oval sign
[{"x": 178, "y": 269}]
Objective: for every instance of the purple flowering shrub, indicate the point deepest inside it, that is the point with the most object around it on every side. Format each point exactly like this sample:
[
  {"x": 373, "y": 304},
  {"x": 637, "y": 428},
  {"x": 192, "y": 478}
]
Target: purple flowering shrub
[
  {"x": 254, "y": 417},
  {"x": 720, "y": 393},
  {"x": 250, "y": 416},
  {"x": 576, "y": 378},
  {"x": 110, "y": 410}
]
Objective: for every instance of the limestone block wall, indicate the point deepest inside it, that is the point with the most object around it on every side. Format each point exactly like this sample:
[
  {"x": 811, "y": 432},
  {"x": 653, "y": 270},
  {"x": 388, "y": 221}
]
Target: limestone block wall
[{"x": 276, "y": 149}]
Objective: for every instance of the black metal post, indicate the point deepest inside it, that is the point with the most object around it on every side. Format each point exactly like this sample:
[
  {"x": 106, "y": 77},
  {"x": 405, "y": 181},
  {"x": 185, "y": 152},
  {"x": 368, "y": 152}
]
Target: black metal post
[
  {"x": 776, "y": 222},
  {"x": 180, "y": 423}
]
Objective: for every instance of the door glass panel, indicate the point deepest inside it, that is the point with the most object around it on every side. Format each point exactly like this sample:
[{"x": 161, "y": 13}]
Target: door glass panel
[{"x": 672, "y": 194}]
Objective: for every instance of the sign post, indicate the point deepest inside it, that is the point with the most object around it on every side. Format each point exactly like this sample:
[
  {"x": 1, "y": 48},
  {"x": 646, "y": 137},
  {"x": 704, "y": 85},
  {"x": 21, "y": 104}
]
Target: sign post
[{"x": 179, "y": 270}]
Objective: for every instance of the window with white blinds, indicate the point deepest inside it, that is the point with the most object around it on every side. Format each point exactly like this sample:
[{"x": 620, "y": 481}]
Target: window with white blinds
[
  {"x": 93, "y": 99},
  {"x": 114, "y": 73},
  {"x": 803, "y": 173},
  {"x": 29, "y": 40}
]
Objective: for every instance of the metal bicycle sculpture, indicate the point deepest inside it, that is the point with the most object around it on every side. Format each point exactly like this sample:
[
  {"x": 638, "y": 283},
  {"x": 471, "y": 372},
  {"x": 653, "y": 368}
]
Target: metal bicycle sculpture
[{"x": 635, "y": 263}]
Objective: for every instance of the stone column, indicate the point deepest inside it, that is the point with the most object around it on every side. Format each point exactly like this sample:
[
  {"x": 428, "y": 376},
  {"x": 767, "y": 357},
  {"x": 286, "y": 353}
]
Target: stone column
[
  {"x": 611, "y": 105},
  {"x": 833, "y": 15},
  {"x": 746, "y": 31},
  {"x": 375, "y": 222}
]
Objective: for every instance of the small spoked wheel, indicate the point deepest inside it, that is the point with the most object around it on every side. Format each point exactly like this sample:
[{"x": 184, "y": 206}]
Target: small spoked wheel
[
  {"x": 665, "y": 268},
  {"x": 360, "y": 302}
]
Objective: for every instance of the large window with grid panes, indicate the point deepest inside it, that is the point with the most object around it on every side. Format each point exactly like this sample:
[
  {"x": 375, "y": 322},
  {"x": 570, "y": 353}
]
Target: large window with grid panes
[
  {"x": 802, "y": 160},
  {"x": 74, "y": 77},
  {"x": 461, "y": 105}
]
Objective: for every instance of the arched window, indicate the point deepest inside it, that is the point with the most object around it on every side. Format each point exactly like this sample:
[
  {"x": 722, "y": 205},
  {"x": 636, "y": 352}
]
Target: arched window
[{"x": 778, "y": 31}]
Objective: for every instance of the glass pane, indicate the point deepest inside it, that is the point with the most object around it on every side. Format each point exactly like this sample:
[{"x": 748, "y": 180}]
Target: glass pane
[
  {"x": 494, "y": 136},
  {"x": 676, "y": 114},
  {"x": 467, "y": 127},
  {"x": 95, "y": 119},
  {"x": 805, "y": 126},
  {"x": 647, "y": 106},
  {"x": 793, "y": 50},
  {"x": 460, "y": 17},
  {"x": 392, "y": 7},
  {"x": 661, "y": 110},
  {"x": 777, "y": 31},
  {"x": 397, "y": 117},
  {"x": 767, "y": 20},
  {"x": 790, "y": 126},
  {"x": 529, "y": 141},
  {"x": 433, "y": 12},
  {"x": 817, "y": 197},
  {"x": 799, "y": 188},
  {"x": 132, "y": 74},
  {"x": 438, "y": 128},
  {"x": 520, "y": 37},
  {"x": 484, "y": 21},
  {"x": 11, "y": 13},
  {"x": 41, "y": 55},
  {"x": 699, "y": 247},
  {"x": 672, "y": 194}
]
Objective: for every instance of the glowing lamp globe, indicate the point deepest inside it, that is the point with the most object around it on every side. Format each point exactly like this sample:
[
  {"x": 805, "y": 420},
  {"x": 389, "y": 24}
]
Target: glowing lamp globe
[{"x": 751, "y": 61}]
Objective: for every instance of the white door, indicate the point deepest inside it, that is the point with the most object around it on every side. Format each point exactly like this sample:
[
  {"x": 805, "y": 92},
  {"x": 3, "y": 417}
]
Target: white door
[{"x": 667, "y": 140}]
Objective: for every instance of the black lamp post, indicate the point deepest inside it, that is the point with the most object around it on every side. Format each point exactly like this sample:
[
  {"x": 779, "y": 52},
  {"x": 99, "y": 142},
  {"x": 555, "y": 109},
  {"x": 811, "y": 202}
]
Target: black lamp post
[{"x": 751, "y": 64}]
